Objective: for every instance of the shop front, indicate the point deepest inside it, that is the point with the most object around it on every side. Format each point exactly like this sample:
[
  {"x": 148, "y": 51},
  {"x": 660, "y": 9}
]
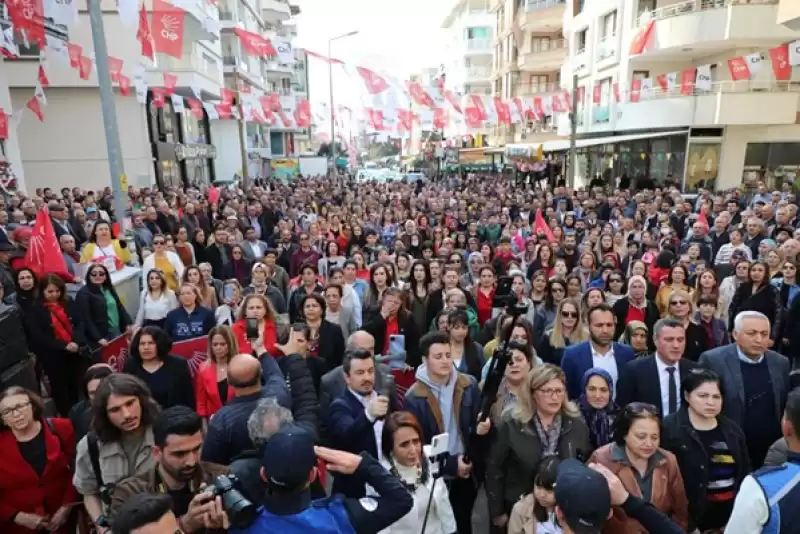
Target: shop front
[{"x": 772, "y": 163}]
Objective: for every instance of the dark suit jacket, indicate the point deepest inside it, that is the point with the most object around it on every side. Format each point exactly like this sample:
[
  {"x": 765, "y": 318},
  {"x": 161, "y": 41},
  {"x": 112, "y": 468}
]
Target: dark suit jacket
[
  {"x": 59, "y": 230},
  {"x": 578, "y": 359},
  {"x": 725, "y": 362},
  {"x": 436, "y": 303},
  {"x": 639, "y": 381},
  {"x": 215, "y": 259},
  {"x": 351, "y": 431}
]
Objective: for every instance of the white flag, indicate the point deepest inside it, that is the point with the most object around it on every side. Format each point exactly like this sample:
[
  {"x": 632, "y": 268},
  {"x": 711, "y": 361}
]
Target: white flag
[
  {"x": 141, "y": 91},
  {"x": 703, "y": 79},
  {"x": 211, "y": 111},
  {"x": 212, "y": 26},
  {"x": 129, "y": 12},
  {"x": 754, "y": 62},
  {"x": 196, "y": 91},
  {"x": 646, "y": 92},
  {"x": 8, "y": 43},
  {"x": 38, "y": 92},
  {"x": 794, "y": 53},
  {"x": 177, "y": 103},
  {"x": 672, "y": 81},
  {"x": 285, "y": 52},
  {"x": 64, "y": 12},
  {"x": 57, "y": 50}
]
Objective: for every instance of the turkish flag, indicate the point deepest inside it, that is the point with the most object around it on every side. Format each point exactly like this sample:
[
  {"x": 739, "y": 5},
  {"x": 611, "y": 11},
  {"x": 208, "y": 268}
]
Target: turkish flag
[
  {"x": 375, "y": 83},
  {"x": 144, "y": 35},
  {"x": 159, "y": 97},
  {"x": 85, "y": 67},
  {"x": 540, "y": 226},
  {"x": 197, "y": 107},
  {"x": 687, "y": 81},
  {"x": 780, "y": 62},
  {"x": 44, "y": 254},
  {"x": 439, "y": 118},
  {"x": 42, "y": 77},
  {"x": 642, "y": 39},
  {"x": 124, "y": 85},
  {"x": 419, "y": 95},
  {"x": 170, "y": 81},
  {"x": 226, "y": 96},
  {"x": 195, "y": 351},
  {"x": 254, "y": 44},
  {"x": 115, "y": 353},
  {"x": 636, "y": 90},
  {"x": 168, "y": 29},
  {"x": 3, "y": 125},
  {"x": 115, "y": 68},
  {"x": 302, "y": 114},
  {"x": 739, "y": 68},
  {"x": 36, "y": 106},
  {"x": 75, "y": 52}
]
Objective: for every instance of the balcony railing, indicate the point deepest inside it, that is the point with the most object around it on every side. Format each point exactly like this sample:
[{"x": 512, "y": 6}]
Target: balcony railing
[
  {"x": 538, "y": 47},
  {"x": 607, "y": 47},
  {"x": 693, "y": 6},
  {"x": 531, "y": 89},
  {"x": 479, "y": 45},
  {"x": 538, "y": 5},
  {"x": 478, "y": 72},
  {"x": 719, "y": 87}
]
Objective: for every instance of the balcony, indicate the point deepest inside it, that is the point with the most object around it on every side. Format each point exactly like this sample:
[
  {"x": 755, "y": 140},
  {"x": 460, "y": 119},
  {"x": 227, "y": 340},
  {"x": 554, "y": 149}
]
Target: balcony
[
  {"x": 536, "y": 89},
  {"x": 479, "y": 46},
  {"x": 544, "y": 56},
  {"x": 542, "y": 15},
  {"x": 687, "y": 28},
  {"x": 192, "y": 71},
  {"x": 275, "y": 10},
  {"x": 480, "y": 73}
]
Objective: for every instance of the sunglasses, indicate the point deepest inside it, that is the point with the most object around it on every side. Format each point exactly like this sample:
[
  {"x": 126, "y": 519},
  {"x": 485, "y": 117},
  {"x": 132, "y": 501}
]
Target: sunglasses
[
  {"x": 614, "y": 281},
  {"x": 678, "y": 303},
  {"x": 568, "y": 314},
  {"x": 158, "y": 242},
  {"x": 97, "y": 273}
]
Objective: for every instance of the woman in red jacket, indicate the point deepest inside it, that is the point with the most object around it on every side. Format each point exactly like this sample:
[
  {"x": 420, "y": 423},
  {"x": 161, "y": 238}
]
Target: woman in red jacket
[
  {"x": 256, "y": 307},
  {"x": 36, "y": 491},
  {"x": 211, "y": 388}
]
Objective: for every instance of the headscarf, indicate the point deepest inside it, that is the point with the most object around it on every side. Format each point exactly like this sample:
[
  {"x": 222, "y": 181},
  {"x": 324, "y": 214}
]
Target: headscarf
[{"x": 598, "y": 421}]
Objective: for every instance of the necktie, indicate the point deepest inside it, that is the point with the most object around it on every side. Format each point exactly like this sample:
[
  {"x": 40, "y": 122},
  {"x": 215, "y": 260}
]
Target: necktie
[{"x": 673, "y": 391}]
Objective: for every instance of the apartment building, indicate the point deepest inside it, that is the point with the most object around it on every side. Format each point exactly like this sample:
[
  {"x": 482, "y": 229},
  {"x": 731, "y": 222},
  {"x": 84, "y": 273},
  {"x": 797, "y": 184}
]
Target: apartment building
[
  {"x": 789, "y": 14},
  {"x": 69, "y": 146},
  {"x": 658, "y": 97},
  {"x": 467, "y": 65},
  {"x": 529, "y": 51}
]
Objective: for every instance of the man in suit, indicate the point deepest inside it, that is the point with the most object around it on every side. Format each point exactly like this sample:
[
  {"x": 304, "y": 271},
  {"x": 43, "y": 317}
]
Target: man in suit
[
  {"x": 355, "y": 419},
  {"x": 756, "y": 381},
  {"x": 600, "y": 351},
  {"x": 60, "y": 220},
  {"x": 254, "y": 249},
  {"x": 219, "y": 253},
  {"x": 656, "y": 379},
  {"x": 333, "y": 383}
]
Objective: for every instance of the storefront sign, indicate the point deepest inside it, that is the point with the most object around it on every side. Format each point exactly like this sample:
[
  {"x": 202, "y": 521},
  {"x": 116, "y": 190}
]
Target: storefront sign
[
  {"x": 284, "y": 167},
  {"x": 451, "y": 155},
  {"x": 195, "y": 151},
  {"x": 519, "y": 151}
]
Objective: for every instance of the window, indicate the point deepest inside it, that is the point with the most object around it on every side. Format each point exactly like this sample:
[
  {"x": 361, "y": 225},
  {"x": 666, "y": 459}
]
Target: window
[
  {"x": 609, "y": 26},
  {"x": 538, "y": 83},
  {"x": 645, "y": 6},
  {"x": 582, "y": 35},
  {"x": 540, "y": 44},
  {"x": 479, "y": 33},
  {"x": 209, "y": 64}
]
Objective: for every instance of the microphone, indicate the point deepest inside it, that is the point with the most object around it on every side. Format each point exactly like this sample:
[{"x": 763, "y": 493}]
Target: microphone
[{"x": 388, "y": 385}]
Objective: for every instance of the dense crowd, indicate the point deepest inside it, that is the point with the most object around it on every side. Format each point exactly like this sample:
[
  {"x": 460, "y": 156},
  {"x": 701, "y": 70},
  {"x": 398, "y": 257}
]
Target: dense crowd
[{"x": 649, "y": 335}]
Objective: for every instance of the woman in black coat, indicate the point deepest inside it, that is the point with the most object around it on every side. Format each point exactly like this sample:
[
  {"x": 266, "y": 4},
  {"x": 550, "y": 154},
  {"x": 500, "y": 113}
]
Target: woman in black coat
[
  {"x": 392, "y": 309},
  {"x": 101, "y": 323},
  {"x": 710, "y": 449},
  {"x": 758, "y": 294},
  {"x": 166, "y": 375},
  {"x": 325, "y": 339}
]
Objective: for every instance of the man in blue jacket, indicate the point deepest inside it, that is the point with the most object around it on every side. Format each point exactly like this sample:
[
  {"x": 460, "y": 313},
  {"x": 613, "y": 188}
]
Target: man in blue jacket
[{"x": 444, "y": 400}]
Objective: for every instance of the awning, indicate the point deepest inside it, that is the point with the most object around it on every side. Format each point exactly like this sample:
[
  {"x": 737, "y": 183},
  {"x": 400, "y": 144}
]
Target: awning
[{"x": 563, "y": 144}]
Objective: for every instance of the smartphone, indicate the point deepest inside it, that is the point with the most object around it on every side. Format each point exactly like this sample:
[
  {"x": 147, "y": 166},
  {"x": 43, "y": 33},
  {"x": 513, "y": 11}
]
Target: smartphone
[
  {"x": 438, "y": 445},
  {"x": 251, "y": 330}
]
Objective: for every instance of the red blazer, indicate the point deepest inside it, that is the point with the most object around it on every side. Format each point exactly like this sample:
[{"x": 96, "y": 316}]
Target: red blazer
[
  {"x": 23, "y": 490},
  {"x": 270, "y": 337},
  {"x": 206, "y": 392}
]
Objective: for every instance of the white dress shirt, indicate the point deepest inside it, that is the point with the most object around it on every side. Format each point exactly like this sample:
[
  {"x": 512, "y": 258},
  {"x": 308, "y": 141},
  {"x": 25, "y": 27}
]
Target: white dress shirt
[
  {"x": 377, "y": 424},
  {"x": 663, "y": 380},
  {"x": 606, "y": 362}
]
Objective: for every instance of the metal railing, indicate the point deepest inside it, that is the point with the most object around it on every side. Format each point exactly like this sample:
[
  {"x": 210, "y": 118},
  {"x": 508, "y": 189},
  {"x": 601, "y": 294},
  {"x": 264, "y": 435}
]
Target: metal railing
[
  {"x": 479, "y": 44},
  {"x": 538, "y": 5},
  {"x": 694, "y": 6},
  {"x": 544, "y": 45},
  {"x": 536, "y": 89},
  {"x": 607, "y": 47},
  {"x": 478, "y": 72}
]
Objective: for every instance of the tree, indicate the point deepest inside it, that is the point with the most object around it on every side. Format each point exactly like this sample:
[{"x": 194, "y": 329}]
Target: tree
[{"x": 325, "y": 149}]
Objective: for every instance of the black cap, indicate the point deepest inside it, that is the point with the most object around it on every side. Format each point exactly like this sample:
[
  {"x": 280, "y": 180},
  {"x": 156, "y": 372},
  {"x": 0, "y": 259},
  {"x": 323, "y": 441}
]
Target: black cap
[{"x": 583, "y": 497}]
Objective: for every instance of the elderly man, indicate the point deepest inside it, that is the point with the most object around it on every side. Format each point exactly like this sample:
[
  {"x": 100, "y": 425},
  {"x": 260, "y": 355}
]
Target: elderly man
[{"x": 71, "y": 255}]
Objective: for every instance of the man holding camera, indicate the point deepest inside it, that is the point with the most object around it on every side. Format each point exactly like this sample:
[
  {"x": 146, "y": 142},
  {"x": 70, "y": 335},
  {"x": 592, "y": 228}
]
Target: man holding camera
[{"x": 178, "y": 438}]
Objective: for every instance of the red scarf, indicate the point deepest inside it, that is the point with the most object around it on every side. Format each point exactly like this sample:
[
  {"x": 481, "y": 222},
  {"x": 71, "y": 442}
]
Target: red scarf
[{"x": 62, "y": 326}]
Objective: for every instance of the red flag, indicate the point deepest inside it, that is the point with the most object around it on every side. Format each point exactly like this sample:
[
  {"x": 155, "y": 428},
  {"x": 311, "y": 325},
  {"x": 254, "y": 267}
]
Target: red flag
[
  {"x": 662, "y": 82},
  {"x": 3, "y": 125},
  {"x": 42, "y": 77},
  {"x": 375, "y": 119},
  {"x": 615, "y": 89},
  {"x": 170, "y": 81},
  {"x": 302, "y": 113},
  {"x": 503, "y": 111},
  {"x": 144, "y": 35},
  {"x": 124, "y": 85},
  {"x": 85, "y": 67},
  {"x": 254, "y": 44},
  {"x": 375, "y": 83},
  {"x": 540, "y": 227},
  {"x": 225, "y": 111},
  {"x": 420, "y": 95},
  {"x": 538, "y": 107},
  {"x": 439, "y": 118},
  {"x": 36, "y": 106},
  {"x": 194, "y": 350},
  {"x": 197, "y": 107},
  {"x": 75, "y": 53},
  {"x": 226, "y": 96},
  {"x": 44, "y": 254},
  {"x": 687, "y": 81},
  {"x": 115, "y": 353},
  {"x": 780, "y": 62},
  {"x": 642, "y": 39},
  {"x": 596, "y": 94},
  {"x": 636, "y": 90},
  {"x": 739, "y": 68},
  {"x": 168, "y": 28},
  {"x": 114, "y": 68},
  {"x": 558, "y": 104},
  {"x": 159, "y": 96},
  {"x": 405, "y": 120},
  {"x": 28, "y": 15},
  {"x": 473, "y": 117},
  {"x": 451, "y": 97}
]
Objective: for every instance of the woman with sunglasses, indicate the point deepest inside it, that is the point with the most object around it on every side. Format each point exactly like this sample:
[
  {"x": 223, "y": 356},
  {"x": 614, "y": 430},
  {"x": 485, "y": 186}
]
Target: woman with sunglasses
[
  {"x": 681, "y": 307},
  {"x": 711, "y": 451},
  {"x": 677, "y": 279},
  {"x": 545, "y": 316},
  {"x": 567, "y": 330},
  {"x": 103, "y": 316},
  {"x": 615, "y": 287},
  {"x": 165, "y": 261},
  {"x": 645, "y": 469}
]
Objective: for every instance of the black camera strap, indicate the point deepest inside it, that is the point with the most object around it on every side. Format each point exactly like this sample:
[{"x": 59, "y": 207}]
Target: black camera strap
[{"x": 94, "y": 457}]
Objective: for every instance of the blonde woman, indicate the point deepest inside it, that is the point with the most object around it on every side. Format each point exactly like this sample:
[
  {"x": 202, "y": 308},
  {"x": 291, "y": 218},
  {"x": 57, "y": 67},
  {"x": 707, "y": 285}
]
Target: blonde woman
[
  {"x": 567, "y": 330},
  {"x": 165, "y": 261},
  {"x": 208, "y": 295},
  {"x": 542, "y": 423},
  {"x": 681, "y": 307}
]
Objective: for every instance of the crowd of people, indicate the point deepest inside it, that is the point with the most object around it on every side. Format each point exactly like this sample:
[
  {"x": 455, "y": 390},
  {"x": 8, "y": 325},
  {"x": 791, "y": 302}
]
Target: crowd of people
[{"x": 350, "y": 326}]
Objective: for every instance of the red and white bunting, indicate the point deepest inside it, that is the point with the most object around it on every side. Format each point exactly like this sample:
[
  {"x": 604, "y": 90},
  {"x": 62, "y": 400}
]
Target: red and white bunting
[
  {"x": 144, "y": 35},
  {"x": 254, "y": 44}
]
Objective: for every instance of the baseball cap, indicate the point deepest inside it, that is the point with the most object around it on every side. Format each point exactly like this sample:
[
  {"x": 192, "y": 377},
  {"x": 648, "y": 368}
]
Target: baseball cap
[
  {"x": 583, "y": 497},
  {"x": 289, "y": 457}
]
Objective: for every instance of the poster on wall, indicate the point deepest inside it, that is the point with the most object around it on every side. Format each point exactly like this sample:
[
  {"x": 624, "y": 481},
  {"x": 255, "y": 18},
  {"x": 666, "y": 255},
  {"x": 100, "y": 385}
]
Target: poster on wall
[
  {"x": 284, "y": 168},
  {"x": 702, "y": 167}
]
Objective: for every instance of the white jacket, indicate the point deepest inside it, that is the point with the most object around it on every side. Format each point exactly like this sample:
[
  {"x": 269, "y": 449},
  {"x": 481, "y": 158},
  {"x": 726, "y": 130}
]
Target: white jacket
[
  {"x": 150, "y": 264},
  {"x": 440, "y": 519}
]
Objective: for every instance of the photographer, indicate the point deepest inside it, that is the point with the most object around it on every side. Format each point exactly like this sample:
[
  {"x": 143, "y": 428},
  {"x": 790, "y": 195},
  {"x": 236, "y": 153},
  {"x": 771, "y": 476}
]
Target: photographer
[
  {"x": 178, "y": 438},
  {"x": 289, "y": 466}
]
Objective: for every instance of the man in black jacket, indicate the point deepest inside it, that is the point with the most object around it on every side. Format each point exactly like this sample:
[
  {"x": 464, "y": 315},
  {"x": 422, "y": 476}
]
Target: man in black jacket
[{"x": 219, "y": 253}]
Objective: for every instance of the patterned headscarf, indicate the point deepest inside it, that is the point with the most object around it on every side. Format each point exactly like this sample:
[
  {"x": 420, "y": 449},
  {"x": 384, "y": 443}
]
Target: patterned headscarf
[{"x": 599, "y": 421}]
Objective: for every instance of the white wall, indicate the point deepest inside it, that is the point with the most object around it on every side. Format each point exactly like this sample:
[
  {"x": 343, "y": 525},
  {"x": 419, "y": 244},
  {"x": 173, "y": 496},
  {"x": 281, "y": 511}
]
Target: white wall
[
  {"x": 11, "y": 144},
  {"x": 69, "y": 147},
  {"x": 225, "y": 136}
]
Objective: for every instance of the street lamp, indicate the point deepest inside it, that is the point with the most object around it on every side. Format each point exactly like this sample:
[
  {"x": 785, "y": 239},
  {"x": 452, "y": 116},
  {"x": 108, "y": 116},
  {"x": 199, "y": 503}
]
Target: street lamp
[{"x": 330, "y": 82}]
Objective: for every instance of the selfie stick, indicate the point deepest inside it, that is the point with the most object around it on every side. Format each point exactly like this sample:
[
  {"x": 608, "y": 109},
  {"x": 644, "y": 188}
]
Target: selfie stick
[{"x": 437, "y": 474}]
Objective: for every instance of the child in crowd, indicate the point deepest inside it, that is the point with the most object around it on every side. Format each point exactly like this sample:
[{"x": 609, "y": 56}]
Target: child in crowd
[{"x": 535, "y": 512}]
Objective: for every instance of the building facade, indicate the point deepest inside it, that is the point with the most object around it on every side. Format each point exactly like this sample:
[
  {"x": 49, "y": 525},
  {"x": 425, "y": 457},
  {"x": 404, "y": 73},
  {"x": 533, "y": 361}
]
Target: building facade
[{"x": 658, "y": 97}]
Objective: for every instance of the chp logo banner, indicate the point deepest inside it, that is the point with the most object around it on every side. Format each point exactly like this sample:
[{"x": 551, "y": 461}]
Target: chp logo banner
[
  {"x": 194, "y": 350},
  {"x": 254, "y": 44},
  {"x": 115, "y": 353},
  {"x": 168, "y": 29},
  {"x": 285, "y": 52}
]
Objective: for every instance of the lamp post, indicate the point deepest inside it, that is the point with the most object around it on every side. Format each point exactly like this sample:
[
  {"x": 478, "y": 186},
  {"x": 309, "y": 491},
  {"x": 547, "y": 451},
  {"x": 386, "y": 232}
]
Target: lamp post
[{"x": 330, "y": 82}]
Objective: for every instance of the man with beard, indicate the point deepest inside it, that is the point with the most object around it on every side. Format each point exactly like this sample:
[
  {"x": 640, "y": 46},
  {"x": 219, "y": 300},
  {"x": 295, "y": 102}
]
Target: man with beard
[{"x": 177, "y": 440}]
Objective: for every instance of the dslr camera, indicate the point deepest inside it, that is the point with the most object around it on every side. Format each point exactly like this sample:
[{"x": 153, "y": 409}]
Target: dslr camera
[{"x": 241, "y": 512}]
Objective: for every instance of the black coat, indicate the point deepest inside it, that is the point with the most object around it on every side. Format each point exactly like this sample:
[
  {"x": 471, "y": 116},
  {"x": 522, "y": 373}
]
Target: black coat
[
  {"x": 651, "y": 315},
  {"x": 175, "y": 373},
  {"x": 696, "y": 342},
  {"x": 299, "y": 381},
  {"x": 680, "y": 438},
  {"x": 639, "y": 381},
  {"x": 42, "y": 341},
  {"x": 766, "y": 300},
  {"x": 91, "y": 307},
  {"x": 331, "y": 351},
  {"x": 377, "y": 329},
  {"x": 213, "y": 257}
]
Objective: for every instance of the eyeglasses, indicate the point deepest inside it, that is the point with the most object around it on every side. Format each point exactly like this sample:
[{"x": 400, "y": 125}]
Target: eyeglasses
[
  {"x": 15, "y": 409},
  {"x": 678, "y": 303},
  {"x": 98, "y": 274},
  {"x": 551, "y": 392},
  {"x": 567, "y": 314},
  {"x": 614, "y": 281}
]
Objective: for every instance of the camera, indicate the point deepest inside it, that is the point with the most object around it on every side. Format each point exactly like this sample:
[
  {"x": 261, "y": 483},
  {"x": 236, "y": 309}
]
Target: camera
[{"x": 241, "y": 512}]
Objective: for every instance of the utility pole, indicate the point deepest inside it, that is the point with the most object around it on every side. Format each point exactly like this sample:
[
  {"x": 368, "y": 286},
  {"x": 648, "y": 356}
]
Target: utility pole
[
  {"x": 119, "y": 182},
  {"x": 573, "y": 135},
  {"x": 241, "y": 125}
]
